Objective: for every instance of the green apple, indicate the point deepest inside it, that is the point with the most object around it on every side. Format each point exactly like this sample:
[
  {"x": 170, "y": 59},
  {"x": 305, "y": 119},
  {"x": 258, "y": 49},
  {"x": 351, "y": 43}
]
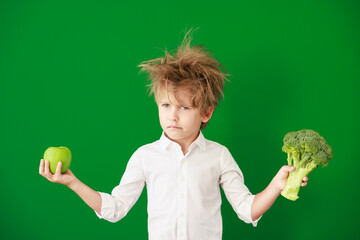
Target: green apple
[{"x": 58, "y": 154}]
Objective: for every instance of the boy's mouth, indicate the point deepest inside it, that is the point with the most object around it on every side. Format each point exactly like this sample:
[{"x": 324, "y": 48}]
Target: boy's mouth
[{"x": 174, "y": 127}]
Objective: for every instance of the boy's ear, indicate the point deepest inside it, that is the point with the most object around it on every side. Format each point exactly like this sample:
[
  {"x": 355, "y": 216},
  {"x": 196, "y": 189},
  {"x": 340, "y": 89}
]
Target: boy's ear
[{"x": 208, "y": 115}]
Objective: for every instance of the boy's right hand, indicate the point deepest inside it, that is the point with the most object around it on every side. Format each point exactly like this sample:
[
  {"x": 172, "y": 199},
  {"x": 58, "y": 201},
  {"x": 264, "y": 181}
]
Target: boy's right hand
[{"x": 66, "y": 178}]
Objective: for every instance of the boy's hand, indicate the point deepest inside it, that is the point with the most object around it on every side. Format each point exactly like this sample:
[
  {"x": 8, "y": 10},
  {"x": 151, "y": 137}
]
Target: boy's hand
[
  {"x": 66, "y": 178},
  {"x": 264, "y": 200},
  {"x": 281, "y": 177}
]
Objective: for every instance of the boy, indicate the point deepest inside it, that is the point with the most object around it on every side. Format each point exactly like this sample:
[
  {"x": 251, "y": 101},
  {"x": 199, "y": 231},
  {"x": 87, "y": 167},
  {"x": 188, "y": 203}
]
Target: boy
[{"x": 182, "y": 170}]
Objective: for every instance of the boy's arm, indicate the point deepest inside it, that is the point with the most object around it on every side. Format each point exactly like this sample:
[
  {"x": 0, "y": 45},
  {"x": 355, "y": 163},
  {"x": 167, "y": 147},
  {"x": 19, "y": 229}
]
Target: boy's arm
[
  {"x": 265, "y": 199},
  {"x": 90, "y": 196}
]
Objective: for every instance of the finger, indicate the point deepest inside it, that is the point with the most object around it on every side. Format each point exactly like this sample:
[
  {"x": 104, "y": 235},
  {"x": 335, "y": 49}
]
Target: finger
[
  {"x": 58, "y": 168},
  {"x": 47, "y": 168},
  {"x": 41, "y": 167},
  {"x": 305, "y": 179},
  {"x": 288, "y": 168},
  {"x": 303, "y": 184}
]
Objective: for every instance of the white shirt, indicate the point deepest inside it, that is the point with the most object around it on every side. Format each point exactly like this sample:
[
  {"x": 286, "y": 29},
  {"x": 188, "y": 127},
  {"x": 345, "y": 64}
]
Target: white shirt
[{"x": 183, "y": 191}]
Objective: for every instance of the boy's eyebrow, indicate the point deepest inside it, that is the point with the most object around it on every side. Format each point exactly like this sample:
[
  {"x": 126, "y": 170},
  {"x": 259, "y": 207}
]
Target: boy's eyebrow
[{"x": 179, "y": 103}]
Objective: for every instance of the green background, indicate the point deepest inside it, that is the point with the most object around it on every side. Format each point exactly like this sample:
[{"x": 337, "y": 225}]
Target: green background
[{"x": 69, "y": 76}]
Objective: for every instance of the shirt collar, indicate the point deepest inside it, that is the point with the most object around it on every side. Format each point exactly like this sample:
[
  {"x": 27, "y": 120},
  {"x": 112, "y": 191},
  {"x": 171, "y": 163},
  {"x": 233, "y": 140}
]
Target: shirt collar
[{"x": 165, "y": 142}]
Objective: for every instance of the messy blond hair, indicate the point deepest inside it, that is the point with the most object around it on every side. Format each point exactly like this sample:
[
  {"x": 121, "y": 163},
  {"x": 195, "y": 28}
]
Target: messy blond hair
[{"x": 194, "y": 68}]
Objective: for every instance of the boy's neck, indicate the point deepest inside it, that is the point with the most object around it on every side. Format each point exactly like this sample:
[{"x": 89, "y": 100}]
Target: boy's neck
[{"x": 185, "y": 149}]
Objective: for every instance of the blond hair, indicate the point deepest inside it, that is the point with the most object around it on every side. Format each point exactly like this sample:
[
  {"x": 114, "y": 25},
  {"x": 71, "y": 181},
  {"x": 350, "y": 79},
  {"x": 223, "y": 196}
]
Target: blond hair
[{"x": 194, "y": 68}]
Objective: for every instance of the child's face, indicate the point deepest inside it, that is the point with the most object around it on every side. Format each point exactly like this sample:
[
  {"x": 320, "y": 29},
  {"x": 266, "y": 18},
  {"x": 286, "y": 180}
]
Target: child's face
[{"x": 178, "y": 118}]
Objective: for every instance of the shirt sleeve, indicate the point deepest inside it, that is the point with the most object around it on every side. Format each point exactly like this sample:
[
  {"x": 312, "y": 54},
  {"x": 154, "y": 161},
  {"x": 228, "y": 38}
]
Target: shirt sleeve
[
  {"x": 115, "y": 206},
  {"x": 238, "y": 195}
]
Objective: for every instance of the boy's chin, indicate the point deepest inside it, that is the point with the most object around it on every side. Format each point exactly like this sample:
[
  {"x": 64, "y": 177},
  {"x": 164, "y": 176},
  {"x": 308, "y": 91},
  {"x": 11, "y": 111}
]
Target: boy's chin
[
  {"x": 170, "y": 134},
  {"x": 178, "y": 135},
  {"x": 174, "y": 135}
]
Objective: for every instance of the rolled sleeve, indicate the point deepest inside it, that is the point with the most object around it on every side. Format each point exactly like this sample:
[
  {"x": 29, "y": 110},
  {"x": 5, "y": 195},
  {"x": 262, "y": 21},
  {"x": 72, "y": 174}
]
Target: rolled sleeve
[
  {"x": 107, "y": 206},
  {"x": 254, "y": 223}
]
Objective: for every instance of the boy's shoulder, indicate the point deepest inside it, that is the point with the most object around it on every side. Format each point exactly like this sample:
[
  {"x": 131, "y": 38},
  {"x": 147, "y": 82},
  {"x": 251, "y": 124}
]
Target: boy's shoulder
[
  {"x": 216, "y": 148},
  {"x": 213, "y": 144},
  {"x": 153, "y": 146},
  {"x": 150, "y": 146}
]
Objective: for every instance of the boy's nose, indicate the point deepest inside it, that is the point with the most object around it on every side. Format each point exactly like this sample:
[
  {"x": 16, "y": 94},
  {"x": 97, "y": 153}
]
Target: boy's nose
[{"x": 173, "y": 116}]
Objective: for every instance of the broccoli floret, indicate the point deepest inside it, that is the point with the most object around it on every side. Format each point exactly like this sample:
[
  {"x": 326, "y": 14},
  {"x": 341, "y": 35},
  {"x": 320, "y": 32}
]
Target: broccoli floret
[{"x": 306, "y": 149}]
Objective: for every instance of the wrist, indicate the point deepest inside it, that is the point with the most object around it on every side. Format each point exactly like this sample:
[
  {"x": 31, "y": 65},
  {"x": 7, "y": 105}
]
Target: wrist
[
  {"x": 74, "y": 184},
  {"x": 275, "y": 187}
]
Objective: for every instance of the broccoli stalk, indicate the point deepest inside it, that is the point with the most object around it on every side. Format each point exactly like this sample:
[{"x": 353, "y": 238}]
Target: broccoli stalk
[
  {"x": 295, "y": 179},
  {"x": 306, "y": 149}
]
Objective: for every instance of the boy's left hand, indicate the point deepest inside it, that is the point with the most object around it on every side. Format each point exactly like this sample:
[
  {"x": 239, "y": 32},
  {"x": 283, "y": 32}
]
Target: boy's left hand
[{"x": 280, "y": 178}]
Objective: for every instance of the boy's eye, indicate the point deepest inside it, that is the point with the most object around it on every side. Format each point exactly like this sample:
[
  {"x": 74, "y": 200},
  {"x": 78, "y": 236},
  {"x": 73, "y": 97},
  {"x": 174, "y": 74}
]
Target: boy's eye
[
  {"x": 184, "y": 108},
  {"x": 165, "y": 105}
]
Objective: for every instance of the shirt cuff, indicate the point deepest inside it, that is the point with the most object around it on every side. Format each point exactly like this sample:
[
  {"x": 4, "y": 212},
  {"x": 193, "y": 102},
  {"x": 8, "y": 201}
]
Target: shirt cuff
[
  {"x": 105, "y": 202},
  {"x": 254, "y": 223}
]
